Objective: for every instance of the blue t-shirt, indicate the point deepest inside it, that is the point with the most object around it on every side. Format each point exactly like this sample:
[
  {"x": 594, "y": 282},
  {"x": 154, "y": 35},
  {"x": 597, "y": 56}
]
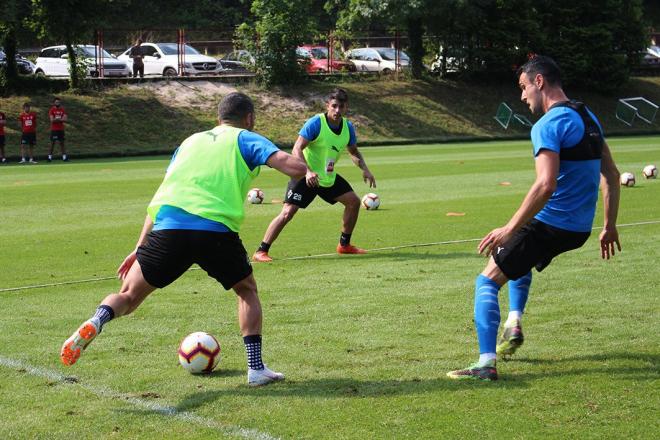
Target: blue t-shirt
[
  {"x": 255, "y": 150},
  {"x": 573, "y": 204},
  {"x": 312, "y": 128}
]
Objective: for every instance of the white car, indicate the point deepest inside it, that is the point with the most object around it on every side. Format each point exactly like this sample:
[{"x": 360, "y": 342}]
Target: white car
[
  {"x": 54, "y": 61},
  {"x": 163, "y": 59},
  {"x": 377, "y": 59}
]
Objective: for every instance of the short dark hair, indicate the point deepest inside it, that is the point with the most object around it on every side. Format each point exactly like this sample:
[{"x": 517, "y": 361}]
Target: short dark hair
[
  {"x": 26, "y": 104},
  {"x": 57, "y": 98},
  {"x": 544, "y": 65},
  {"x": 235, "y": 107},
  {"x": 338, "y": 94}
]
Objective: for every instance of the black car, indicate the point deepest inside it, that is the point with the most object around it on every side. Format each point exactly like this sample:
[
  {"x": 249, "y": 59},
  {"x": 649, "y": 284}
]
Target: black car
[
  {"x": 238, "y": 61},
  {"x": 25, "y": 66}
]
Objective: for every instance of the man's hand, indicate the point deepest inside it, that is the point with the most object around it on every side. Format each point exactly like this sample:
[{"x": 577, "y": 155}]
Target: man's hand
[
  {"x": 126, "y": 265},
  {"x": 368, "y": 177},
  {"x": 608, "y": 237},
  {"x": 312, "y": 179},
  {"x": 494, "y": 239}
]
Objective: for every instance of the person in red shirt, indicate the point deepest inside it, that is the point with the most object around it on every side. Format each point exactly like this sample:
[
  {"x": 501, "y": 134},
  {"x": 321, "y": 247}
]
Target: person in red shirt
[
  {"x": 29, "y": 133},
  {"x": 58, "y": 117},
  {"x": 3, "y": 121}
]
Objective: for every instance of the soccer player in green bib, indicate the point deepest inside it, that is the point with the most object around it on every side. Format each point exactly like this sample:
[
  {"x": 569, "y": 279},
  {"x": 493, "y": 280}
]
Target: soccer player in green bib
[
  {"x": 320, "y": 143},
  {"x": 195, "y": 217}
]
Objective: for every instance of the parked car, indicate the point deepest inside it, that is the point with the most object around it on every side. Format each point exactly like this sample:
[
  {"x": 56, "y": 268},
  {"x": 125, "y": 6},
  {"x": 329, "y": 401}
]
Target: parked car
[
  {"x": 163, "y": 59},
  {"x": 315, "y": 60},
  {"x": 54, "y": 61},
  {"x": 24, "y": 66},
  {"x": 238, "y": 61},
  {"x": 377, "y": 59}
]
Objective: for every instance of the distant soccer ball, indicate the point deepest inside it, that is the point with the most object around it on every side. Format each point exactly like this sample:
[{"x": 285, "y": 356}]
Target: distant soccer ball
[
  {"x": 627, "y": 179},
  {"x": 371, "y": 201},
  {"x": 255, "y": 196},
  {"x": 199, "y": 352},
  {"x": 650, "y": 172}
]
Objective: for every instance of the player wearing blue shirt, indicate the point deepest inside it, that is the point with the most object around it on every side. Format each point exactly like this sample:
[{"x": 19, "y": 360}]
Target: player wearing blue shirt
[
  {"x": 209, "y": 175},
  {"x": 320, "y": 143},
  {"x": 556, "y": 216}
]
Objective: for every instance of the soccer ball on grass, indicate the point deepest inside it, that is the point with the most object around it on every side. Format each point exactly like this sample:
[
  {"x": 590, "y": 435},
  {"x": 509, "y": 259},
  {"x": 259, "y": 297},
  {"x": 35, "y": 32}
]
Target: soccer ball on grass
[
  {"x": 199, "y": 352},
  {"x": 627, "y": 179},
  {"x": 371, "y": 201},
  {"x": 650, "y": 172},
  {"x": 255, "y": 196}
]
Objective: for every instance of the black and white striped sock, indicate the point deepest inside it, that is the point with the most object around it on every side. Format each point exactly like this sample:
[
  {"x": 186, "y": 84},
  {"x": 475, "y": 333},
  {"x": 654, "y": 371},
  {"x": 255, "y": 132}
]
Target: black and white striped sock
[
  {"x": 104, "y": 314},
  {"x": 253, "y": 349}
]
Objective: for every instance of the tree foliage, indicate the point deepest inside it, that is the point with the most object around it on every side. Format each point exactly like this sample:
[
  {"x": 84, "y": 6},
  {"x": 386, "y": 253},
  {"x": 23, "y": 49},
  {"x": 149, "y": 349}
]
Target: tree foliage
[{"x": 278, "y": 28}]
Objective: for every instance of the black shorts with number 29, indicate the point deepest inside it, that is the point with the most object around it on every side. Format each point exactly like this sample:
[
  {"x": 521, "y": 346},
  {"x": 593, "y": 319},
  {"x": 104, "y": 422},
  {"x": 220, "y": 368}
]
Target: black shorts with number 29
[
  {"x": 299, "y": 194},
  {"x": 535, "y": 245},
  {"x": 169, "y": 253}
]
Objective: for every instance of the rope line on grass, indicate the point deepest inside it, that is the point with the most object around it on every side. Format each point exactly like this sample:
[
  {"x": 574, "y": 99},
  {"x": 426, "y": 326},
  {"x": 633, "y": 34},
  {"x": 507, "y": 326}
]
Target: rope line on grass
[
  {"x": 307, "y": 257},
  {"x": 106, "y": 393}
]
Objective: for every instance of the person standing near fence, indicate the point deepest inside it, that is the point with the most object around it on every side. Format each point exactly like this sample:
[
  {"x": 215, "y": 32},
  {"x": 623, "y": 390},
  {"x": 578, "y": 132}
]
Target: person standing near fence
[
  {"x": 3, "y": 121},
  {"x": 58, "y": 117},
  {"x": 137, "y": 55},
  {"x": 29, "y": 133}
]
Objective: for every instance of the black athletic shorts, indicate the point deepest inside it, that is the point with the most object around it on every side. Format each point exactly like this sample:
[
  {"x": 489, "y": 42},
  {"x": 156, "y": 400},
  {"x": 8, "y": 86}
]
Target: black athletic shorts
[
  {"x": 535, "y": 245},
  {"x": 169, "y": 253},
  {"x": 56, "y": 135},
  {"x": 2, "y": 140},
  {"x": 299, "y": 194},
  {"x": 29, "y": 138}
]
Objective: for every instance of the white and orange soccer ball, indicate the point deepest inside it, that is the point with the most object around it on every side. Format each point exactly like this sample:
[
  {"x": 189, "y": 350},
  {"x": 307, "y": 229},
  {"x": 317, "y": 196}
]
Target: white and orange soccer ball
[
  {"x": 650, "y": 172},
  {"x": 199, "y": 352},
  {"x": 255, "y": 196},
  {"x": 371, "y": 201},
  {"x": 627, "y": 179}
]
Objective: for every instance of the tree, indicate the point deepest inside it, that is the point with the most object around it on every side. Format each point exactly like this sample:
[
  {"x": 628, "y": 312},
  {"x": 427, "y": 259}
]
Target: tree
[
  {"x": 12, "y": 14},
  {"x": 596, "y": 43},
  {"x": 278, "y": 28},
  {"x": 71, "y": 22}
]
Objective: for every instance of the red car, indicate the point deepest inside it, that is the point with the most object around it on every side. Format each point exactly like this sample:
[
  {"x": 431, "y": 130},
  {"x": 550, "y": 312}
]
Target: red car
[{"x": 315, "y": 60}]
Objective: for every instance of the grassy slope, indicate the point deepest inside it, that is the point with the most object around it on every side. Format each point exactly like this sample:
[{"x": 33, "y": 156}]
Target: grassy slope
[{"x": 124, "y": 120}]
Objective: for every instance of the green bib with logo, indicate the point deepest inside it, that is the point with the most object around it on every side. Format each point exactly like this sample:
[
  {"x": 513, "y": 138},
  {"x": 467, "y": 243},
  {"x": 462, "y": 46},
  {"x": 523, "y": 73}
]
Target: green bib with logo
[
  {"x": 323, "y": 152},
  {"x": 208, "y": 178}
]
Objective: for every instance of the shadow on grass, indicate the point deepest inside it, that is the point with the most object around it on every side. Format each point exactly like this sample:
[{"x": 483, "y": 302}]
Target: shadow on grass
[
  {"x": 389, "y": 254},
  {"x": 343, "y": 388}
]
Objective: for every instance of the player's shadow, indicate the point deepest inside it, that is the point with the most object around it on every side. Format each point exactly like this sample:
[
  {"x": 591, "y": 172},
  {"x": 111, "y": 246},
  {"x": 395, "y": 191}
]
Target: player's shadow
[
  {"x": 343, "y": 388},
  {"x": 645, "y": 365}
]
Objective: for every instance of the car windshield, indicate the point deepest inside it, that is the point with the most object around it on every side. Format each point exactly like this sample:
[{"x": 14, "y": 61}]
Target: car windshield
[
  {"x": 171, "y": 49},
  {"x": 390, "y": 54},
  {"x": 321, "y": 53},
  {"x": 90, "y": 52}
]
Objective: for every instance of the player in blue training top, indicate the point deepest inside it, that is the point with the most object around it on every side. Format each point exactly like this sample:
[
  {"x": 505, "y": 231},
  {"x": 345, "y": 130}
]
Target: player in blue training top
[
  {"x": 320, "y": 143},
  {"x": 195, "y": 217},
  {"x": 556, "y": 216}
]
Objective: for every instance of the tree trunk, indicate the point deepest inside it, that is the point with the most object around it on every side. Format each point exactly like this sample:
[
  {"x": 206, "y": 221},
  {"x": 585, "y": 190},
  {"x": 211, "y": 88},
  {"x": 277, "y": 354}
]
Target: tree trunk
[
  {"x": 9, "y": 44},
  {"x": 416, "y": 48},
  {"x": 74, "y": 71}
]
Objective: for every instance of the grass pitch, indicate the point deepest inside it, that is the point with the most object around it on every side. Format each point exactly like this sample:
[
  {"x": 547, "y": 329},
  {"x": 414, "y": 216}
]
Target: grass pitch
[{"x": 365, "y": 341}]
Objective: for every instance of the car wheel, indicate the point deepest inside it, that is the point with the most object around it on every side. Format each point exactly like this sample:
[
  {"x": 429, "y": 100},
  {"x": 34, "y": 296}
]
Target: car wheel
[
  {"x": 40, "y": 73},
  {"x": 386, "y": 71},
  {"x": 169, "y": 72}
]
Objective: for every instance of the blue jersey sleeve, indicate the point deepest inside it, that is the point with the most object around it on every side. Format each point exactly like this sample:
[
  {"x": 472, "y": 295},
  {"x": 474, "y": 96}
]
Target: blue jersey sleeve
[
  {"x": 255, "y": 148},
  {"x": 311, "y": 129},
  {"x": 559, "y": 127},
  {"x": 351, "y": 131}
]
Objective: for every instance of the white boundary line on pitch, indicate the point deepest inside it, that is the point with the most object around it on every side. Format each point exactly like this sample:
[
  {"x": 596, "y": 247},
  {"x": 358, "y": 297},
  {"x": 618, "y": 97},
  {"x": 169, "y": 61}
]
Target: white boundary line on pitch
[
  {"x": 163, "y": 410},
  {"x": 305, "y": 257}
]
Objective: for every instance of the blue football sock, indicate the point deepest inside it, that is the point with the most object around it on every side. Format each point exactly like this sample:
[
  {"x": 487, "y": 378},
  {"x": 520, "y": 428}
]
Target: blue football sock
[
  {"x": 518, "y": 293},
  {"x": 486, "y": 313}
]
